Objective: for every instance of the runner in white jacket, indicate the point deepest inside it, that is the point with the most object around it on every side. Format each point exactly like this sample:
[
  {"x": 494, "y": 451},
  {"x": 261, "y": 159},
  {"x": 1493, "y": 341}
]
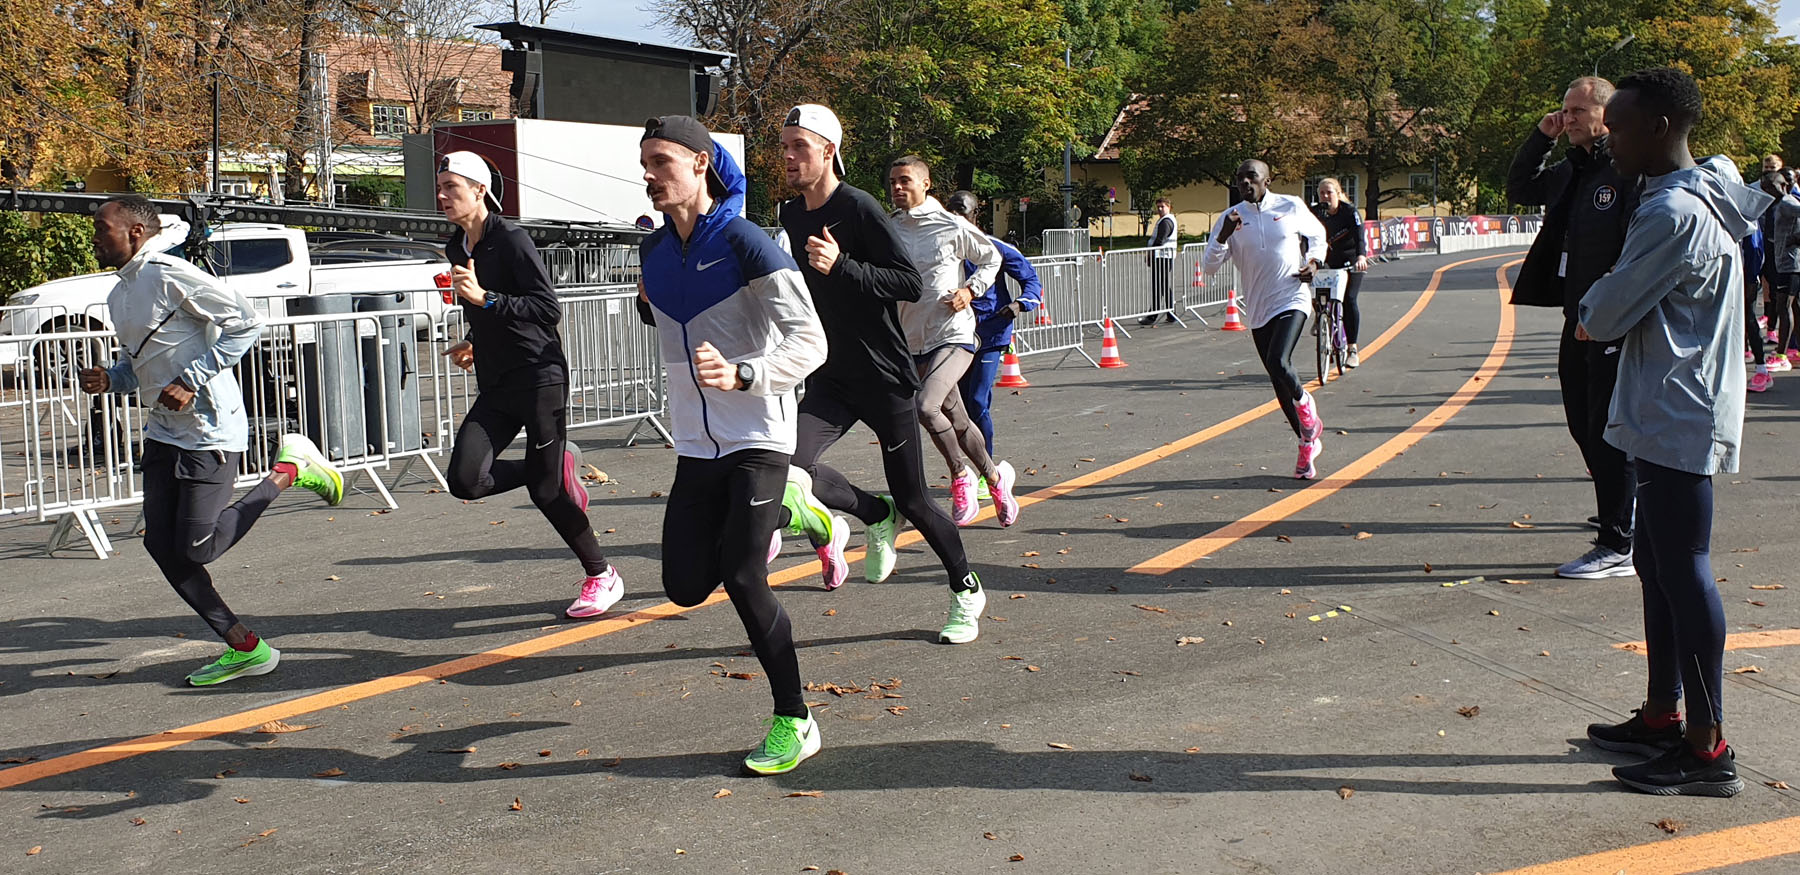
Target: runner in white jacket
[
  {"x": 1276, "y": 243},
  {"x": 940, "y": 331}
]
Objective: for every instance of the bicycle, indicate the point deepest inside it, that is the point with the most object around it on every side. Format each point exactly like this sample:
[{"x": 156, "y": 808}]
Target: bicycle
[{"x": 1330, "y": 341}]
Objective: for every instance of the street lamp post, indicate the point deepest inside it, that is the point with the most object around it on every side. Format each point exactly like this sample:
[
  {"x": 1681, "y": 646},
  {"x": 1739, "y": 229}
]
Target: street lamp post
[{"x": 1615, "y": 47}]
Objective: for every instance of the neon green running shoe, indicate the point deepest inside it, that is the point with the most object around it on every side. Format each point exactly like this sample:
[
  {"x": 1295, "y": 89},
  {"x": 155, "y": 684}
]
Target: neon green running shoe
[
  {"x": 964, "y": 624},
  {"x": 981, "y": 490},
  {"x": 790, "y": 740},
  {"x": 236, "y": 663},
  {"x": 880, "y": 558},
  {"x": 809, "y": 516},
  {"x": 316, "y": 472}
]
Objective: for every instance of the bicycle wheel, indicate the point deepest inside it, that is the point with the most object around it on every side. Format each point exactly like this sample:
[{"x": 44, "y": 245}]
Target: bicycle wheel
[
  {"x": 1340, "y": 347},
  {"x": 1321, "y": 340}
]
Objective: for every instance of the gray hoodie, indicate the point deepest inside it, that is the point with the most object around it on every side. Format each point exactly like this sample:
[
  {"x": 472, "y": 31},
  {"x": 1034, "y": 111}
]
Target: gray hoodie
[{"x": 1675, "y": 302}]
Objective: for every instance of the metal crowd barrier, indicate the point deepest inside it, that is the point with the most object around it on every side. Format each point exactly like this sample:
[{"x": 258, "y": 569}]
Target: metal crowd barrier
[{"x": 355, "y": 373}]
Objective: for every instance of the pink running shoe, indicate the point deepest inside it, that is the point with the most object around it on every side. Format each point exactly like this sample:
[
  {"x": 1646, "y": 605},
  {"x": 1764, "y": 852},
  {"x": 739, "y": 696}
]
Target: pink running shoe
[
  {"x": 1005, "y": 505},
  {"x": 1303, "y": 467},
  {"x": 1749, "y": 357},
  {"x": 572, "y": 476},
  {"x": 1777, "y": 362},
  {"x": 963, "y": 505},
  {"x": 774, "y": 545},
  {"x": 831, "y": 556},
  {"x": 1308, "y": 411},
  {"x": 1793, "y": 355},
  {"x": 597, "y": 595},
  {"x": 1761, "y": 381}
]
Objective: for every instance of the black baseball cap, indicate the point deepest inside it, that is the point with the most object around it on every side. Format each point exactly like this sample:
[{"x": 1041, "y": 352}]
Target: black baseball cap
[{"x": 692, "y": 135}]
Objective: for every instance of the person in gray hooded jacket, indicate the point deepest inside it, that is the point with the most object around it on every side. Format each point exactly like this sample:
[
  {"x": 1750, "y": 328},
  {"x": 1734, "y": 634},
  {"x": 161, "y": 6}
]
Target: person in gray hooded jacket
[{"x": 1674, "y": 301}]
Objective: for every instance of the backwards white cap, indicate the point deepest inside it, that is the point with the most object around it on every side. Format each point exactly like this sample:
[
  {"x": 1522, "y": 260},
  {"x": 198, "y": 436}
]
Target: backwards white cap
[
  {"x": 822, "y": 121},
  {"x": 470, "y": 166}
]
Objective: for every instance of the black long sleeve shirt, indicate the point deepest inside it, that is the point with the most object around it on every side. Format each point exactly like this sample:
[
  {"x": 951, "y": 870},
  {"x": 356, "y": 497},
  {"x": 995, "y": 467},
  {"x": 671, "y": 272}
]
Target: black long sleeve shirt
[
  {"x": 1344, "y": 242},
  {"x": 856, "y": 299},
  {"x": 516, "y": 341}
]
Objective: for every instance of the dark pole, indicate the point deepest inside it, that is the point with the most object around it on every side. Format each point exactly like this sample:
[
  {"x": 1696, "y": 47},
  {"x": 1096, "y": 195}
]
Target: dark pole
[{"x": 215, "y": 133}]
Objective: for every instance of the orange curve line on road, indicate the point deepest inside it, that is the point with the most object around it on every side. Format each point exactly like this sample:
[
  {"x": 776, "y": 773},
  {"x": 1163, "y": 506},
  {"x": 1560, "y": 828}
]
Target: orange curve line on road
[{"x": 1696, "y": 853}]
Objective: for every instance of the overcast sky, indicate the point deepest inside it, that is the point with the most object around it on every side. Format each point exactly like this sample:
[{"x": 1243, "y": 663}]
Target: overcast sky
[{"x": 625, "y": 18}]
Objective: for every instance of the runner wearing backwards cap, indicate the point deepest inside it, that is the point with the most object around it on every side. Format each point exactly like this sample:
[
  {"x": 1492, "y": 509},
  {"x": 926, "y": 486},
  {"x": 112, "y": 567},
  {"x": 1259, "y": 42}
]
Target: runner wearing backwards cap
[
  {"x": 739, "y": 334},
  {"x": 858, "y": 271},
  {"x": 511, "y": 308}
]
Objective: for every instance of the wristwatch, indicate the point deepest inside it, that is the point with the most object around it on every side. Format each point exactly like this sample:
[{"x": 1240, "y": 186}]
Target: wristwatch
[
  {"x": 487, "y": 303},
  {"x": 746, "y": 375}
]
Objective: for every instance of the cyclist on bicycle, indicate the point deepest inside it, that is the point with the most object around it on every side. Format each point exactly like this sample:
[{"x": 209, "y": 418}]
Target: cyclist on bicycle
[
  {"x": 1268, "y": 237},
  {"x": 1345, "y": 247}
]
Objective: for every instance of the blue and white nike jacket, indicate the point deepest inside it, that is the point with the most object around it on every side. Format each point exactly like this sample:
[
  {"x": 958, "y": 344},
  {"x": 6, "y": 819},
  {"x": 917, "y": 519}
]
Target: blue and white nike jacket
[{"x": 733, "y": 287}]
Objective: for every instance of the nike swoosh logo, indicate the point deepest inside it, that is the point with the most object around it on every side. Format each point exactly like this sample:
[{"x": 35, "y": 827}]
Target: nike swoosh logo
[
  {"x": 706, "y": 264},
  {"x": 1611, "y": 349},
  {"x": 755, "y": 503},
  {"x": 831, "y": 226},
  {"x": 897, "y": 446},
  {"x": 544, "y": 444},
  {"x": 203, "y": 540}
]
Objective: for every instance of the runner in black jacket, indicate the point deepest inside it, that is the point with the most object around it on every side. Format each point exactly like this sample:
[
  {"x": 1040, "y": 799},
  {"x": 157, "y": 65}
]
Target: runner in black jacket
[
  {"x": 856, "y": 269},
  {"x": 1589, "y": 207},
  {"x": 512, "y": 311}
]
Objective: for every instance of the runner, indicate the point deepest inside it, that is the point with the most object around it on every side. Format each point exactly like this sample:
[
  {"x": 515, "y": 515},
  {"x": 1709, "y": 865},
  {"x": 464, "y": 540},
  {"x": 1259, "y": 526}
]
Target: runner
[
  {"x": 1275, "y": 241},
  {"x": 1783, "y": 244},
  {"x": 719, "y": 290},
  {"x": 1345, "y": 249},
  {"x": 940, "y": 331},
  {"x": 994, "y": 315},
  {"x": 181, "y": 331},
  {"x": 1673, "y": 298},
  {"x": 512, "y": 311},
  {"x": 857, "y": 271}
]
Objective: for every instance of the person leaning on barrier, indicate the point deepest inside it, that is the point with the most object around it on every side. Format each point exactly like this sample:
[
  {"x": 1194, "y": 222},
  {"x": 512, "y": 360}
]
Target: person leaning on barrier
[
  {"x": 1162, "y": 264},
  {"x": 1588, "y": 203},
  {"x": 181, "y": 331},
  {"x": 511, "y": 307}
]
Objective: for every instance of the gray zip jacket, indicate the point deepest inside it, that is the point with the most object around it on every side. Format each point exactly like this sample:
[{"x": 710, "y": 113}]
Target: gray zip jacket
[
  {"x": 175, "y": 321},
  {"x": 1784, "y": 233},
  {"x": 1675, "y": 301},
  {"x": 937, "y": 242}
]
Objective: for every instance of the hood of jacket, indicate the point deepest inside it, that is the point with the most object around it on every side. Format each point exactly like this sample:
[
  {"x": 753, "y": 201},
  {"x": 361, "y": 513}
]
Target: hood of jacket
[
  {"x": 1715, "y": 180},
  {"x": 724, "y": 208}
]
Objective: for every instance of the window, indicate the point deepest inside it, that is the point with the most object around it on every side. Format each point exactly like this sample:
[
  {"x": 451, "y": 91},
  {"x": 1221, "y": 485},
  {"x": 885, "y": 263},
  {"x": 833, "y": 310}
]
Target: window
[
  {"x": 234, "y": 185},
  {"x": 477, "y": 115},
  {"x": 1348, "y": 182},
  {"x": 389, "y": 119},
  {"x": 239, "y": 257}
]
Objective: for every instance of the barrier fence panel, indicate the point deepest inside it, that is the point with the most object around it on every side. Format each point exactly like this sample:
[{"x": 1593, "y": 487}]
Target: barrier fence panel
[
  {"x": 1140, "y": 283},
  {"x": 1057, "y": 325},
  {"x": 615, "y": 364}
]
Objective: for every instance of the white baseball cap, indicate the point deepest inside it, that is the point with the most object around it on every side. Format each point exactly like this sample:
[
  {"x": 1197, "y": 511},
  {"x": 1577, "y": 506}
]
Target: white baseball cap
[
  {"x": 822, "y": 121},
  {"x": 472, "y": 167}
]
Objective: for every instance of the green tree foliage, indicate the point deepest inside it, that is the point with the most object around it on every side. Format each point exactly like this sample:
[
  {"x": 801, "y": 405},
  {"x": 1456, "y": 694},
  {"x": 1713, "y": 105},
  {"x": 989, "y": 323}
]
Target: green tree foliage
[{"x": 36, "y": 249}]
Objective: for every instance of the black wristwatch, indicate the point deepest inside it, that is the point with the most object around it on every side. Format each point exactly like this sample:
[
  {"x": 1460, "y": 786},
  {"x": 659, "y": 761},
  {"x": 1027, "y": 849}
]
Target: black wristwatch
[{"x": 746, "y": 375}]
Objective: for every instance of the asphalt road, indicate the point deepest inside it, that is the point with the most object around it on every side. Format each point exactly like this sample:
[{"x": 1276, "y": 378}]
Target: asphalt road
[{"x": 458, "y": 724}]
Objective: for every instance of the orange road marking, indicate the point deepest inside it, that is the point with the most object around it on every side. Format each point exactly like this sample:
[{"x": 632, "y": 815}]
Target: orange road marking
[
  {"x": 1186, "y": 554},
  {"x": 1741, "y": 641},
  {"x": 1681, "y": 856},
  {"x": 246, "y": 720}
]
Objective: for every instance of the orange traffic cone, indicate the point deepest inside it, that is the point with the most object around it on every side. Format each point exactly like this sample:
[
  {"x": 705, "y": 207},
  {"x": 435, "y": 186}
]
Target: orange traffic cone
[
  {"x": 1010, "y": 375},
  {"x": 1199, "y": 277},
  {"x": 1234, "y": 320},
  {"x": 1109, "y": 346},
  {"x": 1043, "y": 314}
]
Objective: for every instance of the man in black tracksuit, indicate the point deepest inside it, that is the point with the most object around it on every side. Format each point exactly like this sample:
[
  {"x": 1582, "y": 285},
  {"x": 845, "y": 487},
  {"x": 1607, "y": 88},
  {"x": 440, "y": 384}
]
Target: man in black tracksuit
[{"x": 1589, "y": 205}]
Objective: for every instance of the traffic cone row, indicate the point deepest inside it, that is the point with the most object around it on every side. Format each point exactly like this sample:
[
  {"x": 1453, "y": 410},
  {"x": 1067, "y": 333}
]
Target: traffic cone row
[
  {"x": 1109, "y": 346},
  {"x": 1234, "y": 318},
  {"x": 1010, "y": 375}
]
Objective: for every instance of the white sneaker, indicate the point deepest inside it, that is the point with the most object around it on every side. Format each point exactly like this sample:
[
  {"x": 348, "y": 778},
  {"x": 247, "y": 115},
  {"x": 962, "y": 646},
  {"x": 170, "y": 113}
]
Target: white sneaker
[{"x": 597, "y": 595}]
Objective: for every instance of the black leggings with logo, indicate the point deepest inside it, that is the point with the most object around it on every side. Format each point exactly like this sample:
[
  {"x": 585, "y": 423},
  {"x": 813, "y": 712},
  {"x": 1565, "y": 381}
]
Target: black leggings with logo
[{"x": 188, "y": 522}]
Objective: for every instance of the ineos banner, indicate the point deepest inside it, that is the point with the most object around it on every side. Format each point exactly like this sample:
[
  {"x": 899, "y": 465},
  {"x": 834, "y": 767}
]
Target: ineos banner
[{"x": 1421, "y": 233}]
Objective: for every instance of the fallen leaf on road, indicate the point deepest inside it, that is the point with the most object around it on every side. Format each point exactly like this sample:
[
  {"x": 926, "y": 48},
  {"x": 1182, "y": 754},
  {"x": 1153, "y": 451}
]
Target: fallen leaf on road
[
  {"x": 1286, "y": 592},
  {"x": 241, "y": 800},
  {"x": 834, "y": 689},
  {"x": 1032, "y": 668},
  {"x": 1029, "y": 565},
  {"x": 1428, "y": 568},
  {"x": 896, "y": 710},
  {"x": 722, "y": 793},
  {"x": 1065, "y": 551},
  {"x": 334, "y": 577},
  {"x": 1346, "y": 791},
  {"x": 12, "y": 760},
  {"x": 469, "y": 749},
  {"x": 1470, "y": 711},
  {"x": 1020, "y": 658},
  {"x": 1756, "y": 603},
  {"x": 612, "y": 763},
  {"x": 1778, "y": 785},
  {"x": 990, "y": 836},
  {"x": 138, "y": 821},
  {"x": 1519, "y": 525},
  {"x": 1130, "y": 673},
  {"x": 1670, "y": 825},
  {"x": 1016, "y": 595},
  {"x": 329, "y": 773},
  {"x": 1185, "y": 640},
  {"x": 518, "y": 804},
  {"x": 1493, "y": 613},
  {"x": 1151, "y": 608},
  {"x": 276, "y": 727},
  {"x": 1510, "y": 582},
  {"x": 1748, "y": 669},
  {"x": 1364, "y": 536},
  {"x": 1016, "y": 858},
  {"x": 1029, "y": 553},
  {"x": 811, "y": 794},
  {"x": 1543, "y": 653},
  {"x": 1193, "y": 750},
  {"x": 507, "y": 767},
  {"x": 225, "y": 774},
  {"x": 1138, "y": 776},
  {"x": 1060, "y": 746},
  {"x": 741, "y": 675},
  {"x": 1767, "y": 586},
  {"x": 1284, "y": 539}
]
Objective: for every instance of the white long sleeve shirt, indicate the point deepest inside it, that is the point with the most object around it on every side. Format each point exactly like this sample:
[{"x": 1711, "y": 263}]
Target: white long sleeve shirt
[
  {"x": 938, "y": 242},
  {"x": 1267, "y": 252}
]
